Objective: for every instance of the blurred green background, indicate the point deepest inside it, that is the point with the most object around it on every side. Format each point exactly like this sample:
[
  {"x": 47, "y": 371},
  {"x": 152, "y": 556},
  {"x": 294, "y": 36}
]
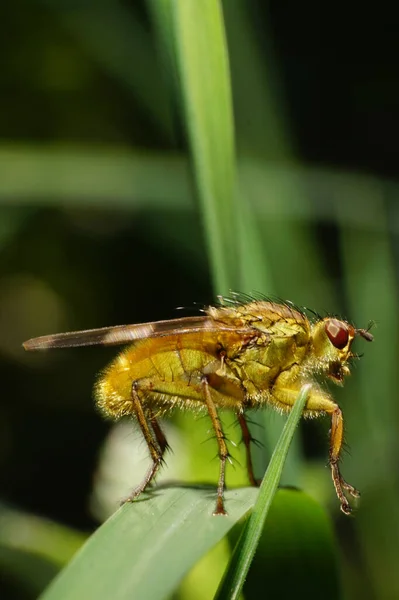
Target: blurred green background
[{"x": 100, "y": 225}]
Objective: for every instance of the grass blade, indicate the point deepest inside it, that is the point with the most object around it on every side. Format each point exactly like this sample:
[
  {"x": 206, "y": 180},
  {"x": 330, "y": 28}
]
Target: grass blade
[
  {"x": 298, "y": 539},
  {"x": 237, "y": 571},
  {"x": 203, "y": 72}
]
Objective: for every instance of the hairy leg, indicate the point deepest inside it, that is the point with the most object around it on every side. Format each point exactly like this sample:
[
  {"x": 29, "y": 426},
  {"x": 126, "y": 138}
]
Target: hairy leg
[
  {"x": 319, "y": 403},
  {"x": 159, "y": 434},
  {"x": 223, "y": 450},
  {"x": 247, "y": 439},
  {"x": 154, "y": 438}
]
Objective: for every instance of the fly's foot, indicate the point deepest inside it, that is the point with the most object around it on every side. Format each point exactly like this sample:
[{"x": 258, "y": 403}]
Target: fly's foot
[
  {"x": 350, "y": 489},
  {"x": 133, "y": 495},
  {"x": 129, "y": 499},
  {"x": 346, "y": 509},
  {"x": 219, "y": 510},
  {"x": 342, "y": 486}
]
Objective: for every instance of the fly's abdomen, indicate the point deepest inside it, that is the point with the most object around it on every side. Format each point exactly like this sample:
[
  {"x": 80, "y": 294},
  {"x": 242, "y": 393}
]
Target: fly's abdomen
[{"x": 165, "y": 376}]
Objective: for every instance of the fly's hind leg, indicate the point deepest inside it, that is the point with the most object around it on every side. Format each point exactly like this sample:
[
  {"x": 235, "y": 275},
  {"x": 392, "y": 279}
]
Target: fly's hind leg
[
  {"x": 223, "y": 450},
  {"x": 247, "y": 439},
  {"x": 154, "y": 438}
]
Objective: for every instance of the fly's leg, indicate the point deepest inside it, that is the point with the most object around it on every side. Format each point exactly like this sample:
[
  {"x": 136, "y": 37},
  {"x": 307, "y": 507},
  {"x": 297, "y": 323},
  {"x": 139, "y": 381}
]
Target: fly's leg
[
  {"x": 154, "y": 438},
  {"x": 247, "y": 439},
  {"x": 321, "y": 403},
  {"x": 159, "y": 434},
  {"x": 336, "y": 438},
  {"x": 223, "y": 450},
  {"x": 318, "y": 403}
]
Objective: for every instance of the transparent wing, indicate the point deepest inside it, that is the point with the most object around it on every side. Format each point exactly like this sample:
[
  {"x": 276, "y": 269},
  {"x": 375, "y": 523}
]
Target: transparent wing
[{"x": 123, "y": 334}]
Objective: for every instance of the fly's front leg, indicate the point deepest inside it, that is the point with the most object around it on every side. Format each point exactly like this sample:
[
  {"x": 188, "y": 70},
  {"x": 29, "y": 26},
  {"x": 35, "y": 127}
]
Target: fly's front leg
[
  {"x": 318, "y": 403},
  {"x": 223, "y": 450},
  {"x": 337, "y": 427},
  {"x": 154, "y": 438}
]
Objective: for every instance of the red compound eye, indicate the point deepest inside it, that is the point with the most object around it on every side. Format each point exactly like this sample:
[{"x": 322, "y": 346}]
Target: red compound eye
[{"x": 337, "y": 332}]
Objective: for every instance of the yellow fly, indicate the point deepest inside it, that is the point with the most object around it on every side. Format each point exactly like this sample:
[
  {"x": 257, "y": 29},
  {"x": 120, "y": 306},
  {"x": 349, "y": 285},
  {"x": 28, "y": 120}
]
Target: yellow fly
[{"x": 241, "y": 354}]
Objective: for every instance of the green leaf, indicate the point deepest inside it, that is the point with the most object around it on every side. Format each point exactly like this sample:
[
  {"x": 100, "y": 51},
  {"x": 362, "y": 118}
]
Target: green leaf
[
  {"x": 145, "y": 548},
  {"x": 120, "y": 558},
  {"x": 244, "y": 552}
]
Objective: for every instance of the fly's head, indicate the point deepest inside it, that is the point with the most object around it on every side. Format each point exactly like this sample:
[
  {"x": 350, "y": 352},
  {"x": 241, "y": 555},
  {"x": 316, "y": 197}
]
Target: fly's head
[{"x": 332, "y": 341}]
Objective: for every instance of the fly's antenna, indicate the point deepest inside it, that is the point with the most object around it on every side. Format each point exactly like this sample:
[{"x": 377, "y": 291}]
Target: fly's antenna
[{"x": 365, "y": 333}]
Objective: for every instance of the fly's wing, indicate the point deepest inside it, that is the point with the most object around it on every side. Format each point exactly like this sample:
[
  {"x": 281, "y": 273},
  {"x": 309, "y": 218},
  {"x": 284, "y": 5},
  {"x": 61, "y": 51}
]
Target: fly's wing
[{"x": 125, "y": 334}]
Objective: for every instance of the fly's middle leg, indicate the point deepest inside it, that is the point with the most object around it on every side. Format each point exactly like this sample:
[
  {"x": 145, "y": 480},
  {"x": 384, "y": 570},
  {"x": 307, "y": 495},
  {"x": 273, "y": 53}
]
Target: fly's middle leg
[
  {"x": 223, "y": 450},
  {"x": 247, "y": 439}
]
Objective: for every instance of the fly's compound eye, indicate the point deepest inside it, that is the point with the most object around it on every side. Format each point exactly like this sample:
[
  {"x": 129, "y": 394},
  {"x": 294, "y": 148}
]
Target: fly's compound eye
[{"x": 337, "y": 332}]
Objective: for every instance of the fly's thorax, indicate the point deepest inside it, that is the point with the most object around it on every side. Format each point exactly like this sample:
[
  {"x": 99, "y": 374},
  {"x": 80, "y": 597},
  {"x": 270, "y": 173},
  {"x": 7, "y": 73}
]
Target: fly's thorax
[
  {"x": 260, "y": 364},
  {"x": 331, "y": 348},
  {"x": 262, "y": 315}
]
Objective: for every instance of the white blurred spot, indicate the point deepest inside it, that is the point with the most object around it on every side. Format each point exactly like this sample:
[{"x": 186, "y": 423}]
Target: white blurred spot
[{"x": 124, "y": 460}]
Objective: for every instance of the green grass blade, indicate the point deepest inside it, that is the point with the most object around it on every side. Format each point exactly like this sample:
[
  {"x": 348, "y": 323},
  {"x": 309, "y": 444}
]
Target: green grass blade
[
  {"x": 145, "y": 548},
  {"x": 244, "y": 552},
  {"x": 298, "y": 539},
  {"x": 69, "y": 176},
  {"x": 203, "y": 72}
]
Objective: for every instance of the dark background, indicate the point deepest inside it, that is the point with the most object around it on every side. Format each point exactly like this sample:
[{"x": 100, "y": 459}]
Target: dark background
[{"x": 74, "y": 260}]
